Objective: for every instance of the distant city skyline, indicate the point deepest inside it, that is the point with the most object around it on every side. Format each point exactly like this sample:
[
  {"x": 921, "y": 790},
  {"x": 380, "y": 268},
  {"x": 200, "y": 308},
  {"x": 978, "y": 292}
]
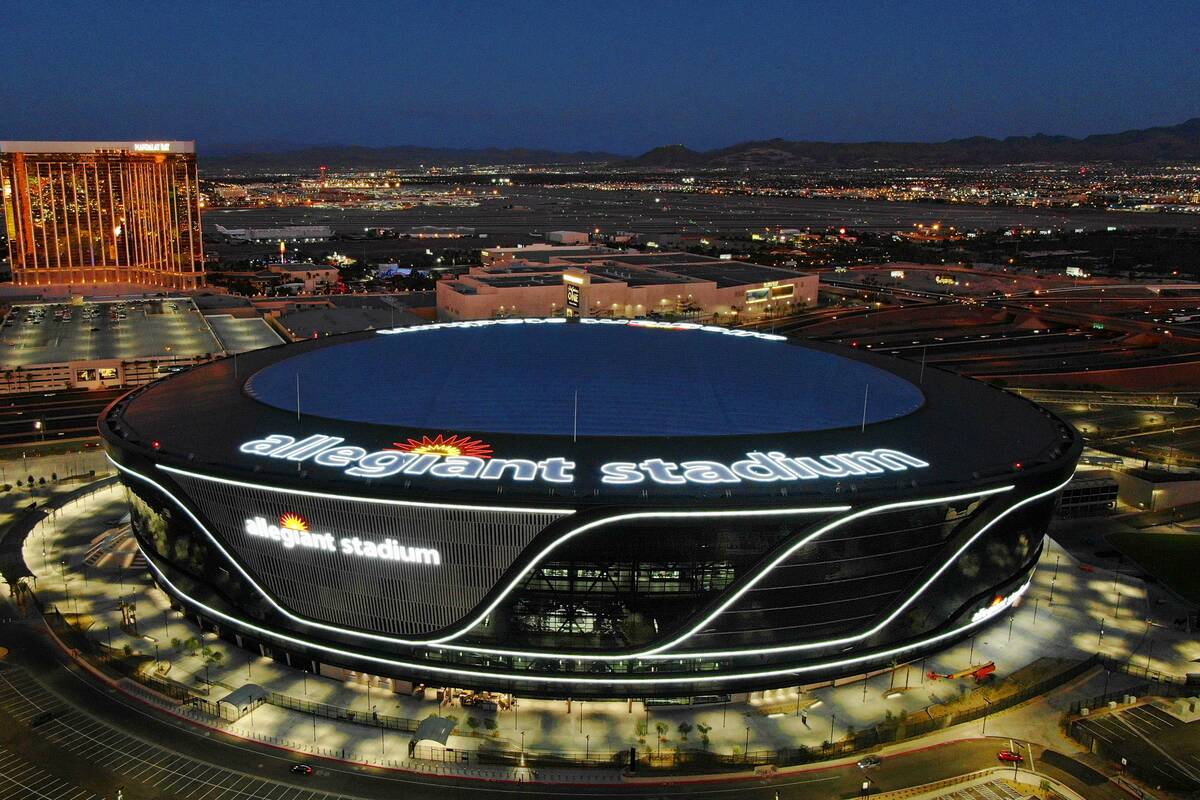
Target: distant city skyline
[{"x": 617, "y": 77}]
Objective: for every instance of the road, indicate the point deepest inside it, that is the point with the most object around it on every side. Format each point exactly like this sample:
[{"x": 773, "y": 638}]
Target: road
[{"x": 63, "y": 415}]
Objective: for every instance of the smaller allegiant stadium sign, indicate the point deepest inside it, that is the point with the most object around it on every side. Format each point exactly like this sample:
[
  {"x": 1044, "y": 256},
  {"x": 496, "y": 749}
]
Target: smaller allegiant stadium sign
[
  {"x": 293, "y": 533},
  {"x": 465, "y": 458}
]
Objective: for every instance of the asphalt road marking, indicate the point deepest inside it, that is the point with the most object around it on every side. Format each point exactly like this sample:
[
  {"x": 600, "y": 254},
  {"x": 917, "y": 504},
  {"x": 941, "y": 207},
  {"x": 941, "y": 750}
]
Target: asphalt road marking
[
  {"x": 19, "y": 778},
  {"x": 89, "y": 739}
]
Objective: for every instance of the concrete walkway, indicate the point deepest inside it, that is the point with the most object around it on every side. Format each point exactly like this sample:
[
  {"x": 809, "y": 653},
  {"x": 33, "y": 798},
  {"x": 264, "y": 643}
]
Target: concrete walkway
[{"x": 1061, "y": 616}]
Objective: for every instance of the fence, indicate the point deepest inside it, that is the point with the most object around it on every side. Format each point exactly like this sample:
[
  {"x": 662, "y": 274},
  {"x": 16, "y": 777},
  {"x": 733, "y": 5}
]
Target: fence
[
  {"x": 114, "y": 660},
  {"x": 1158, "y": 684},
  {"x": 327, "y": 711}
]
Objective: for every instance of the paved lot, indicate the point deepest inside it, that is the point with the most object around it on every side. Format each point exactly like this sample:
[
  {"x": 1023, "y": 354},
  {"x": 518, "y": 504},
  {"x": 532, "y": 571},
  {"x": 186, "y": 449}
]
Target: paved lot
[
  {"x": 163, "y": 772},
  {"x": 992, "y": 790},
  {"x": 35, "y": 334},
  {"x": 1150, "y": 736},
  {"x": 19, "y": 778}
]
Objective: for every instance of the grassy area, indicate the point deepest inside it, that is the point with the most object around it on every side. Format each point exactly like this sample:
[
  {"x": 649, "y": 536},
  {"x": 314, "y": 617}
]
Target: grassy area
[{"x": 1173, "y": 558}]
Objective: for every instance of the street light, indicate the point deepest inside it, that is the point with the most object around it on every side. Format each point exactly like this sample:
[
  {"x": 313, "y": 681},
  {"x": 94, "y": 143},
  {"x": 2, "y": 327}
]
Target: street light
[{"x": 987, "y": 710}]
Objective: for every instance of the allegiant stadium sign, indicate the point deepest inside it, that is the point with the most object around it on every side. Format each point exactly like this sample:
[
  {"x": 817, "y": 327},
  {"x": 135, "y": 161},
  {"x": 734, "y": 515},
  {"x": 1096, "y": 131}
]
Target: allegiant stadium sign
[
  {"x": 293, "y": 533},
  {"x": 437, "y": 458}
]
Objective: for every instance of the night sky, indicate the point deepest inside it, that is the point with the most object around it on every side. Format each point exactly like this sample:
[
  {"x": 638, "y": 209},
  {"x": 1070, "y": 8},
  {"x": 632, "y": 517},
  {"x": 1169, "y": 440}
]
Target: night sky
[{"x": 596, "y": 76}]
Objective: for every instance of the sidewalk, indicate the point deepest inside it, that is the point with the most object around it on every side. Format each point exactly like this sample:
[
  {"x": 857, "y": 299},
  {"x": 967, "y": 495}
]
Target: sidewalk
[{"x": 1069, "y": 628}]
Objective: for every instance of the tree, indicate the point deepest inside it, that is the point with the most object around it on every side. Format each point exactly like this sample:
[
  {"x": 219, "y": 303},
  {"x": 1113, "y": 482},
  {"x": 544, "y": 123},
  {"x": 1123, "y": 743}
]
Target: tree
[
  {"x": 684, "y": 729},
  {"x": 662, "y": 729},
  {"x": 472, "y": 722},
  {"x": 704, "y": 729}
]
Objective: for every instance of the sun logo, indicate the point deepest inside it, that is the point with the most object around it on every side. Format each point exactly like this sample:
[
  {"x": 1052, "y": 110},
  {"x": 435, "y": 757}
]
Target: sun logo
[
  {"x": 293, "y": 522},
  {"x": 446, "y": 446}
]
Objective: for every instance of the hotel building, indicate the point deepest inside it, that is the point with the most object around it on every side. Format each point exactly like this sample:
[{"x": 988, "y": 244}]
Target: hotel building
[{"x": 100, "y": 213}]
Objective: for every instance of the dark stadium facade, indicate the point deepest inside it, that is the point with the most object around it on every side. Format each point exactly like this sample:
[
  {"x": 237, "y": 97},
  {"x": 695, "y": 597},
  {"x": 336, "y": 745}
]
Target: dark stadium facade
[{"x": 601, "y": 508}]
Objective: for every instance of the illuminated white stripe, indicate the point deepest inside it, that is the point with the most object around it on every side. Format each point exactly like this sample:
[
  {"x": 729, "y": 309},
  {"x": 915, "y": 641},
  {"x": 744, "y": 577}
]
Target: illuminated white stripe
[
  {"x": 518, "y": 676},
  {"x": 657, "y": 653},
  {"x": 418, "y": 642},
  {"x": 770, "y": 512},
  {"x": 382, "y": 501}
]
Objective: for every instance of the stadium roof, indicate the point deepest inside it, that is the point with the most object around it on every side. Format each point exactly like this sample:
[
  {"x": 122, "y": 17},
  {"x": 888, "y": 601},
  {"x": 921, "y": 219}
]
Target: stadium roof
[
  {"x": 688, "y": 394},
  {"x": 593, "y": 380}
]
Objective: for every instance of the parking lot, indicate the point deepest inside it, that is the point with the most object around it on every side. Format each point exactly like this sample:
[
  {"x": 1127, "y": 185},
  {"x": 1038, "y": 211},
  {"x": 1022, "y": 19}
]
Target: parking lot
[
  {"x": 1151, "y": 739},
  {"x": 40, "y": 333},
  {"x": 128, "y": 759},
  {"x": 19, "y": 778}
]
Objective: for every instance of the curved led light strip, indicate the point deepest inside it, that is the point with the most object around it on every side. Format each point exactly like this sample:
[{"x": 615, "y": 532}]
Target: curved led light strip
[
  {"x": 657, "y": 652},
  {"x": 378, "y": 500},
  {"x": 422, "y": 642},
  {"x": 549, "y": 679}
]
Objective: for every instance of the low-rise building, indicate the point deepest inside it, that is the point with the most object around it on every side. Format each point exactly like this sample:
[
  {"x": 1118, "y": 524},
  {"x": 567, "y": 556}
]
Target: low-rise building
[
  {"x": 568, "y": 237},
  {"x": 611, "y": 284},
  {"x": 542, "y": 252},
  {"x": 288, "y": 233},
  {"x": 307, "y": 278},
  {"x": 1156, "y": 490}
]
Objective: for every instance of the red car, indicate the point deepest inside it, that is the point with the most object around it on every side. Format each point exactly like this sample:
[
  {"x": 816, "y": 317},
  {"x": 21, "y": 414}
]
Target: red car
[{"x": 1008, "y": 756}]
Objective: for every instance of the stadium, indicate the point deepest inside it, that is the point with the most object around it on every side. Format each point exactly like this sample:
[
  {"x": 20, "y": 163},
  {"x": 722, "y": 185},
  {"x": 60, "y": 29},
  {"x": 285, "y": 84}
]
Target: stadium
[{"x": 587, "y": 507}]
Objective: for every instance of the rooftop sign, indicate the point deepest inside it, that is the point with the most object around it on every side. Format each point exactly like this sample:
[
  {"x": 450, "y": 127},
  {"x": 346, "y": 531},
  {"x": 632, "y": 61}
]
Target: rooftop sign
[
  {"x": 91, "y": 147},
  {"x": 470, "y": 459}
]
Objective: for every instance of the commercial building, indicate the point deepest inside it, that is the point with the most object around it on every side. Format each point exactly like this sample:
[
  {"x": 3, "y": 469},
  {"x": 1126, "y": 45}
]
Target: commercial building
[
  {"x": 84, "y": 214},
  {"x": 306, "y": 278},
  {"x": 568, "y": 237},
  {"x": 537, "y": 252},
  {"x": 598, "y": 283},
  {"x": 287, "y": 233},
  {"x": 589, "y": 507},
  {"x": 1156, "y": 490}
]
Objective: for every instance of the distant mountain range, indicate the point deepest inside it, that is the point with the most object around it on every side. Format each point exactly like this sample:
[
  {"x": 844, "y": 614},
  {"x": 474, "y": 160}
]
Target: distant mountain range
[
  {"x": 399, "y": 157},
  {"x": 1171, "y": 143},
  {"x": 1174, "y": 143}
]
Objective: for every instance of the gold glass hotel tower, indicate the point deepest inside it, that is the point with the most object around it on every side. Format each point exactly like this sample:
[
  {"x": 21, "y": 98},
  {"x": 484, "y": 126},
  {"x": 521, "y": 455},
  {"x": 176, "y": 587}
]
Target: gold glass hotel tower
[{"x": 88, "y": 213}]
